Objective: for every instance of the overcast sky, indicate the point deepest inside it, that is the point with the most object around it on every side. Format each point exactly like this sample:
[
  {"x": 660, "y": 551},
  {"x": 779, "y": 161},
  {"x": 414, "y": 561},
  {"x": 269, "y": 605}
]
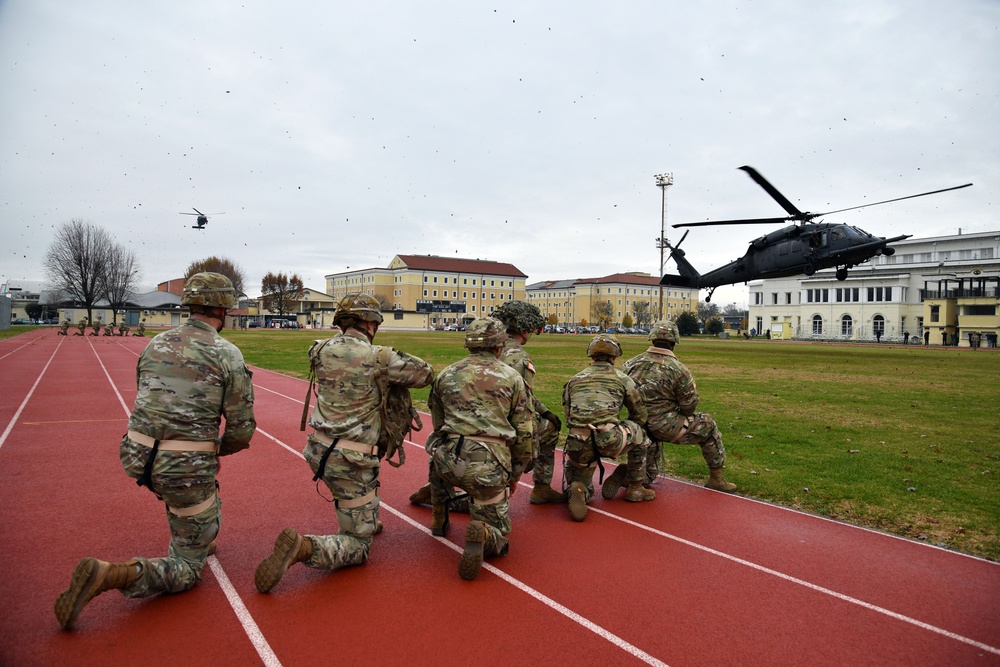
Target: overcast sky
[{"x": 334, "y": 135}]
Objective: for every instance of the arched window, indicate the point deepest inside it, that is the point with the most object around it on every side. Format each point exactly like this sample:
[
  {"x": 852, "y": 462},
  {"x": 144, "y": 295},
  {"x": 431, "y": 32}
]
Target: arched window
[
  {"x": 878, "y": 325},
  {"x": 846, "y": 326},
  {"x": 817, "y": 325}
]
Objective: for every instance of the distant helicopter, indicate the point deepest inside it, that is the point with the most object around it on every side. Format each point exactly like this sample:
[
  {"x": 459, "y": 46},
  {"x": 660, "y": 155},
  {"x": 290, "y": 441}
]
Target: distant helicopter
[
  {"x": 802, "y": 248},
  {"x": 202, "y": 218}
]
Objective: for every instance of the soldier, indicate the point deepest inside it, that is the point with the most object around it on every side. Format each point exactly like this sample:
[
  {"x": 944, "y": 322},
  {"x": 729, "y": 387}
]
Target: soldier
[
  {"x": 97, "y": 327},
  {"x": 342, "y": 451},
  {"x": 141, "y": 329},
  {"x": 188, "y": 379},
  {"x": 482, "y": 442},
  {"x": 81, "y": 327},
  {"x": 109, "y": 329},
  {"x": 592, "y": 401},
  {"x": 63, "y": 327},
  {"x": 122, "y": 328},
  {"x": 671, "y": 398},
  {"x": 521, "y": 320}
]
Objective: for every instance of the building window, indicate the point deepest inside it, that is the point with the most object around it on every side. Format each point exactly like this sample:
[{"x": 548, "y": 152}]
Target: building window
[
  {"x": 425, "y": 292},
  {"x": 435, "y": 292},
  {"x": 465, "y": 295},
  {"x": 935, "y": 313},
  {"x": 788, "y": 298},
  {"x": 817, "y": 325},
  {"x": 774, "y": 298},
  {"x": 846, "y": 326},
  {"x": 878, "y": 325}
]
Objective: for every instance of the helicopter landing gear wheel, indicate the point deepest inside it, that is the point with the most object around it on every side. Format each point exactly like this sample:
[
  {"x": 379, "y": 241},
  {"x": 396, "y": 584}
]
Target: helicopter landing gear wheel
[
  {"x": 809, "y": 268},
  {"x": 842, "y": 273}
]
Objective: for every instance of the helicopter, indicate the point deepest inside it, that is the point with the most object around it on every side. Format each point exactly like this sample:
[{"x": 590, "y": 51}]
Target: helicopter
[
  {"x": 801, "y": 248},
  {"x": 202, "y": 218}
]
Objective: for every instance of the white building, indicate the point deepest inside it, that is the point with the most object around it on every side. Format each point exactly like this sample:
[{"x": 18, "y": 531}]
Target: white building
[{"x": 935, "y": 289}]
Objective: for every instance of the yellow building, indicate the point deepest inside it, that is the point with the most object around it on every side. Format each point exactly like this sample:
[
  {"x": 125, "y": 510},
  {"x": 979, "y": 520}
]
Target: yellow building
[
  {"x": 428, "y": 291},
  {"x": 634, "y": 294}
]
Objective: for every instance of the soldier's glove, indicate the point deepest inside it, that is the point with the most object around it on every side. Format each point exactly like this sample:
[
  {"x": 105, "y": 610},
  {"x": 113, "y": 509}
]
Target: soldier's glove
[
  {"x": 552, "y": 417},
  {"x": 227, "y": 448}
]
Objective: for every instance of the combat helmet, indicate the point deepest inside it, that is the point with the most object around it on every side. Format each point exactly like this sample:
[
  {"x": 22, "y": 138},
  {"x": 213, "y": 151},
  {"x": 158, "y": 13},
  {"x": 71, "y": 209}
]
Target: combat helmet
[
  {"x": 520, "y": 316},
  {"x": 361, "y": 306},
  {"x": 485, "y": 333},
  {"x": 665, "y": 330},
  {"x": 209, "y": 289},
  {"x": 604, "y": 343}
]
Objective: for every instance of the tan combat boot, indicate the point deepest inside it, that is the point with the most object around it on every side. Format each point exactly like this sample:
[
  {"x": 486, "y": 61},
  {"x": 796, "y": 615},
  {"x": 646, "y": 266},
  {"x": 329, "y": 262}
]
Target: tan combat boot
[
  {"x": 637, "y": 493},
  {"x": 613, "y": 483},
  {"x": 472, "y": 558},
  {"x": 289, "y": 548},
  {"x": 577, "y": 501},
  {"x": 439, "y": 520},
  {"x": 718, "y": 482},
  {"x": 91, "y": 578},
  {"x": 543, "y": 493},
  {"x": 421, "y": 496}
]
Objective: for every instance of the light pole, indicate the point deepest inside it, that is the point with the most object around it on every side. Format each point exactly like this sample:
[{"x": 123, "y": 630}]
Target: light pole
[{"x": 663, "y": 181}]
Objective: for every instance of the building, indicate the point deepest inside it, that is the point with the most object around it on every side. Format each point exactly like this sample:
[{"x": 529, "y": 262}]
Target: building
[
  {"x": 934, "y": 289},
  {"x": 634, "y": 294},
  {"x": 428, "y": 291}
]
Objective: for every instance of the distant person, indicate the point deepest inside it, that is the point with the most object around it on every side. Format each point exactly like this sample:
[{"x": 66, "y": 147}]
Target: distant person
[
  {"x": 342, "y": 450},
  {"x": 189, "y": 378},
  {"x": 96, "y": 327},
  {"x": 878, "y": 335},
  {"x": 81, "y": 327},
  {"x": 482, "y": 442},
  {"x": 927, "y": 337},
  {"x": 64, "y": 327},
  {"x": 944, "y": 338},
  {"x": 109, "y": 329},
  {"x": 906, "y": 337},
  {"x": 671, "y": 398},
  {"x": 141, "y": 329},
  {"x": 974, "y": 339}
]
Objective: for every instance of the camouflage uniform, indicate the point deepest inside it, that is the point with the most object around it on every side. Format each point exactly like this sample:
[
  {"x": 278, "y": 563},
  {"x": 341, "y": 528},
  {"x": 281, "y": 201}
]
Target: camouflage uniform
[
  {"x": 82, "y": 327},
  {"x": 109, "y": 330},
  {"x": 592, "y": 401},
  {"x": 482, "y": 440},
  {"x": 141, "y": 329},
  {"x": 668, "y": 390},
  {"x": 63, "y": 327},
  {"x": 97, "y": 328},
  {"x": 347, "y": 407},
  {"x": 546, "y": 433},
  {"x": 188, "y": 379},
  {"x": 122, "y": 329},
  {"x": 343, "y": 449}
]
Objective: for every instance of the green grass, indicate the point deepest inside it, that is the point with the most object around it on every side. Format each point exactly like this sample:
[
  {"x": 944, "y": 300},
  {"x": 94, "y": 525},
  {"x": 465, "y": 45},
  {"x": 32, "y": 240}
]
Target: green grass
[{"x": 903, "y": 439}]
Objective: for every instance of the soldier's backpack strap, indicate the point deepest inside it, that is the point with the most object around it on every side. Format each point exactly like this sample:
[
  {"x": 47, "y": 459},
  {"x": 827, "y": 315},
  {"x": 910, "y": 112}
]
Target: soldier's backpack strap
[{"x": 313, "y": 356}]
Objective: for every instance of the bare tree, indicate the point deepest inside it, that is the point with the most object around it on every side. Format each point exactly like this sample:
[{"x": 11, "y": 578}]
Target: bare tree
[
  {"x": 707, "y": 310},
  {"x": 383, "y": 302},
  {"x": 641, "y": 311},
  {"x": 76, "y": 260},
  {"x": 222, "y": 265},
  {"x": 120, "y": 277},
  {"x": 279, "y": 292},
  {"x": 601, "y": 312}
]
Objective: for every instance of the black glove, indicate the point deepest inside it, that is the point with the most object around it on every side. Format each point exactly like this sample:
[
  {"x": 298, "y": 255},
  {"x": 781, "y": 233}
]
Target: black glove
[{"x": 552, "y": 417}]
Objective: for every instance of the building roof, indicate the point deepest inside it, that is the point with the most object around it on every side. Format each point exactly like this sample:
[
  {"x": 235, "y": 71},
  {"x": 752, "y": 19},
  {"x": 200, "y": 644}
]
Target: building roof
[
  {"x": 461, "y": 265},
  {"x": 614, "y": 278}
]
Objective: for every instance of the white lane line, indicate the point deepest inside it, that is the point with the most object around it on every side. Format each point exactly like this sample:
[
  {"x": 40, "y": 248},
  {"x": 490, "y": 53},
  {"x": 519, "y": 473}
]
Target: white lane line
[
  {"x": 520, "y": 585},
  {"x": 30, "y": 342},
  {"x": 24, "y": 403},
  {"x": 781, "y": 575},
  {"x": 243, "y": 615}
]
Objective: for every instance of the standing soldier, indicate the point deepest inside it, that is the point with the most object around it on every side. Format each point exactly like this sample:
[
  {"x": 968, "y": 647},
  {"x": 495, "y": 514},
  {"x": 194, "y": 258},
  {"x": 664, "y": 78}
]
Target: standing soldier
[
  {"x": 482, "y": 442},
  {"x": 593, "y": 400},
  {"x": 343, "y": 450},
  {"x": 189, "y": 378},
  {"x": 671, "y": 397},
  {"x": 81, "y": 327},
  {"x": 63, "y": 327}
]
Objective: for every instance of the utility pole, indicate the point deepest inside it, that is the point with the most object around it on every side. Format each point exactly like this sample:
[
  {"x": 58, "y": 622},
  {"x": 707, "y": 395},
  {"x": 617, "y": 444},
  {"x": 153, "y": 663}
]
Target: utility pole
[{"x": 663, "y": 181}]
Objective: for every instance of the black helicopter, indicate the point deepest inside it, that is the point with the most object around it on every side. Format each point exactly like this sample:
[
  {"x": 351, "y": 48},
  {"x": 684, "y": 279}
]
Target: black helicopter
[
  {"x": 202, "y": 218},
  {"x": 802, "y": 248}
]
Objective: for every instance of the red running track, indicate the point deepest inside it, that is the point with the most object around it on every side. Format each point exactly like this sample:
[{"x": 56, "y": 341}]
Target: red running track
[{"x": 694, "y": 577}]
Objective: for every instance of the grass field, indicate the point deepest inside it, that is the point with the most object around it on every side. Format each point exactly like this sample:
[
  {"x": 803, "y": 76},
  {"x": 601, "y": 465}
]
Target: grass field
[{"x": 902, "y": 439}]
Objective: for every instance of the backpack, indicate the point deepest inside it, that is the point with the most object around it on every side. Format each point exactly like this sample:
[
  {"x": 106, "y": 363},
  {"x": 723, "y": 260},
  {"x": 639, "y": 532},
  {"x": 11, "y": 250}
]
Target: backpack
[{"x": 397, "y": 411}]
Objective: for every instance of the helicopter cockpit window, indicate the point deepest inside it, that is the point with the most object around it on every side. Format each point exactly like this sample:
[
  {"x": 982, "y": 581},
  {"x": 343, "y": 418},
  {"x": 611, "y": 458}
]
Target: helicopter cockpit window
[{"x": 837, "y": 234}]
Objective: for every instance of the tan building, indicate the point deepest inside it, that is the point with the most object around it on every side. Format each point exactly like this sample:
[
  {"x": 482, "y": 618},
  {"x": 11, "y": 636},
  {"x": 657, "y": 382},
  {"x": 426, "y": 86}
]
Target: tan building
[
  {"x": 634, "y": 294},
  {"x": 428, "y": 291}
]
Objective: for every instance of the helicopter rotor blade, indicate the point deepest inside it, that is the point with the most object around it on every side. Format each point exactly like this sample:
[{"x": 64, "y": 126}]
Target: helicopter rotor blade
[
  {"x": 887, "y": 201},
  {"x": 197, "y": 211},
  {"x": 775, "y": 195},
  {"x": 751, "y": 221}
]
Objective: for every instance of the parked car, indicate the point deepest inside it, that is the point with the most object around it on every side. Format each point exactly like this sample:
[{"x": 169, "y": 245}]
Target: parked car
[
  {"x": 21, "y": 320},
  {"x": 287, "y": 324},
  {"x": 253, "y": 324}
]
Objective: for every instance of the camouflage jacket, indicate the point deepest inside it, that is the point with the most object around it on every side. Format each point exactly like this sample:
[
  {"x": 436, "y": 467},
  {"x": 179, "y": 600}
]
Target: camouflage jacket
[
  {"x": 189, "y": 378},
  {"x": 348, "y": 398},
  {"x": 481, "y": 395},
  {"x": 517, "y": 358},
  {"x": 667, "y": 388},
  {"x": 596, "y": 395}
]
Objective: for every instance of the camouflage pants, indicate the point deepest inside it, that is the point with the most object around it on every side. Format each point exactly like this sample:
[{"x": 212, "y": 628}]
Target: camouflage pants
[
  {"x": 480, "y": 471},
  {"x": 545, "y": 452},
  {"x": 580, "y": 459},
  {"x": 182, "y": 479},
  {"x": 349, "y": 475},
  {"x": 702, "y": 431}
]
